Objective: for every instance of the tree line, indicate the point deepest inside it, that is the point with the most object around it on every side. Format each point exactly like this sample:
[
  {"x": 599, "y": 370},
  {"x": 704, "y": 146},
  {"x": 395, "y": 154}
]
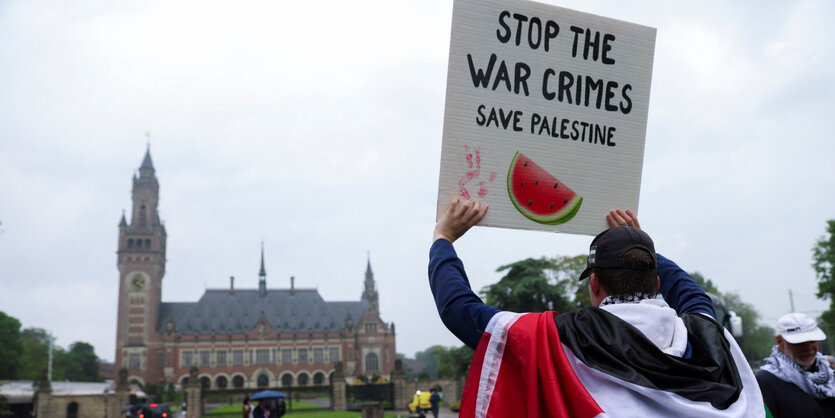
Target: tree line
[
  {"x": 24, "y": 355},
  {"x": 550, "y": 284},
  {"x": 823, "y": 262}
]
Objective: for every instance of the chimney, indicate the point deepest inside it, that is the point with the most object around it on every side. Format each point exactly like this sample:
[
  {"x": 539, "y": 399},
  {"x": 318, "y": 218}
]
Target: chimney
[
  {"x": 231, "y": 285},
  {"x": 292, "y": 285}
]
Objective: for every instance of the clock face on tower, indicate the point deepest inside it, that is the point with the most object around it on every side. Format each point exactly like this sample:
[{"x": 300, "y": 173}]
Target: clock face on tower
[{"x": 138, "y": 282}]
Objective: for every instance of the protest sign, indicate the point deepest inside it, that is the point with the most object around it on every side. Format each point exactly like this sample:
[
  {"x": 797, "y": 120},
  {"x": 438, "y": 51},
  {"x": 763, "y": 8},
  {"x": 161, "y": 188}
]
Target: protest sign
[{"x": 546, "y": 112}]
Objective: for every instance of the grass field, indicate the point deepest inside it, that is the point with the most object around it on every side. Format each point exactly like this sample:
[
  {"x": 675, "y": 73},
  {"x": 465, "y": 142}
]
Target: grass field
[
  {"x": 310, "y": 414},
  {"x": 301, "y": 409}
]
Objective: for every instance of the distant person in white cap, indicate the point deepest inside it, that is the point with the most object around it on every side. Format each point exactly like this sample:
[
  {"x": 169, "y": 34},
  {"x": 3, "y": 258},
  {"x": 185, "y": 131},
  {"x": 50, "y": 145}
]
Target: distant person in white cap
[{"x": 796, "y": 380}]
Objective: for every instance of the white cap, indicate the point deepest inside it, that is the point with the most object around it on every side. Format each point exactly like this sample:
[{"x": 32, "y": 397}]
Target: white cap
[{"x": 798, "y": 328}]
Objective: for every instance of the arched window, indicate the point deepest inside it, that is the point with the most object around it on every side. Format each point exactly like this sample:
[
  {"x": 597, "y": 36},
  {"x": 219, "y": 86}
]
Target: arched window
[
  {"x": 205, "y": 382},
  {"x": 303, "y": 378},
  {"x": 72, "y": 410},
  {"x": 318, "y": 378},
  {"x": 238, "y": 381},
  {"x": 287, "y": 380},
  {"x": 371, "y": 363},
  {"x": 263, "y": 380},
  {"x": 147, "y": 243},
  {"x": 221, "y": 382},
  {"x": 130, "y": 242}
]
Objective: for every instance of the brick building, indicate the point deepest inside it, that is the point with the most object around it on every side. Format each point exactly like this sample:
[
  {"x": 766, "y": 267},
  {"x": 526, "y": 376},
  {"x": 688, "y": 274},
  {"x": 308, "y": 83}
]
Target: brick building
[{"x": 238, "y": 338}]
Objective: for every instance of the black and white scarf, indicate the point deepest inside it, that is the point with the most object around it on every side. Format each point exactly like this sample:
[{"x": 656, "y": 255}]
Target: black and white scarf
[
  {"x": 820, "y": 383},
  {"x": 632, "y": 298}
]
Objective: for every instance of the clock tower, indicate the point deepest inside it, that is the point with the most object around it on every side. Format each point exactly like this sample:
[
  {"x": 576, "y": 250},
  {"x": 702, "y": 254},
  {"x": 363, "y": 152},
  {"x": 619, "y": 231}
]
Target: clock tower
[{"x": 141, "y": 262}]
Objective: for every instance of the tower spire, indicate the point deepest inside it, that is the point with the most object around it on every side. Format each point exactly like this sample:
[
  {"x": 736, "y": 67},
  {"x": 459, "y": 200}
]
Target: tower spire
[
  {"x": 263, "y": 272},
  {"x": 147, "y": 164},
  {"x": 262, "y": 275},
  {"x": 369, "y": 292}
]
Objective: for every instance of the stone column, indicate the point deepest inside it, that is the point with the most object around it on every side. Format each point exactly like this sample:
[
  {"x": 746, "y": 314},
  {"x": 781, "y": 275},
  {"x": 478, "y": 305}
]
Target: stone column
[
  {"x": 338, "y": 389},
  {"x": 398, "y": 378},
  {"x": 193, "y": 394},
  {"x": 122, "y": 394},
  {"x": 44, "y": 397}
]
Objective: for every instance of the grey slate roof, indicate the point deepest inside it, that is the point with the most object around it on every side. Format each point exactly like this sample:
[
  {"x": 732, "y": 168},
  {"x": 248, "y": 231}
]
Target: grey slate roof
[{"x": 224, "y": 312}]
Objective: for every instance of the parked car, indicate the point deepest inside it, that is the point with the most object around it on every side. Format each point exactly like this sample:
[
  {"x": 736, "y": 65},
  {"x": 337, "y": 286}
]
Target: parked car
[{"x": 154, "y": 410}]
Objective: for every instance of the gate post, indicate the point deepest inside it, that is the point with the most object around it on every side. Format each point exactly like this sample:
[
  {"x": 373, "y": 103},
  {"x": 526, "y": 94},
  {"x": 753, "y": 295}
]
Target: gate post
[
  {"x": 43, "y": 397},
  {"x": 338, "y": 389},
  {"x": 398, "y": 377},
  {"x": 193, "y": 394},
  {"x": 122, "y": 395}
]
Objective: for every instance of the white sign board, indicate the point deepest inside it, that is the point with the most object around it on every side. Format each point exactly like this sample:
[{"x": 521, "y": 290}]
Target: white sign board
[{"x": 546, "y": 112}]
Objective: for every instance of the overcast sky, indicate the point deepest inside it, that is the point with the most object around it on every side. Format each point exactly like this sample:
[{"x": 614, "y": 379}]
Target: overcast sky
[{"x": 316, "y": 127}]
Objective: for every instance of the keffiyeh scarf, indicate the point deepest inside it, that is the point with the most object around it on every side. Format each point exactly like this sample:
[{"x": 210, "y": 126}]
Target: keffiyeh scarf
[
  {"x": 820, "y": 383},
  {"x": 633, "y": 298}
]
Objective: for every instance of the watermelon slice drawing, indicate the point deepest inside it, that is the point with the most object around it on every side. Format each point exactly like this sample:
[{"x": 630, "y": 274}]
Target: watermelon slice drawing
[{"x": 538, "y": 195}]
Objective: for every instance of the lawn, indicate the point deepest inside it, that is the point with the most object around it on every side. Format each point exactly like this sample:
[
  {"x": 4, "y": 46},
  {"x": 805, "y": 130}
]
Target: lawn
[
  {"x": 301, "y": 409},
  {"x": 311, "y": 414}
]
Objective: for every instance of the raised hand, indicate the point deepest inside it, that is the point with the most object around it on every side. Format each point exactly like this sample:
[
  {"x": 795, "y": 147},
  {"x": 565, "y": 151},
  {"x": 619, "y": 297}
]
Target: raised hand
[
  {"x": 620, "y": 217},
  {"x": 458, "y": 217}
]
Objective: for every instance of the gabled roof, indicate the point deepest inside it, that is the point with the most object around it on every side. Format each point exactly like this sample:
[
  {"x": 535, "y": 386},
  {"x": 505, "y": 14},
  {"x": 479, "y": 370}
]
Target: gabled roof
[{"x": 223, "y": 311}]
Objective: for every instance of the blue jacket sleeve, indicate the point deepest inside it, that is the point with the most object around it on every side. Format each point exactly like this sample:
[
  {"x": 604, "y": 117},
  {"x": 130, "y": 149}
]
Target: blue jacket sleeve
[
  {"x": 461, "y": 310},
  {"x": 680, "y": 291}
]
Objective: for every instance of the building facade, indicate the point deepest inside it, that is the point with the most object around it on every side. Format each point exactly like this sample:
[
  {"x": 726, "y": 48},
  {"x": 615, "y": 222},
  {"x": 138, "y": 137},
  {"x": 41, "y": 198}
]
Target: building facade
[{"x": 238, "y": 338}]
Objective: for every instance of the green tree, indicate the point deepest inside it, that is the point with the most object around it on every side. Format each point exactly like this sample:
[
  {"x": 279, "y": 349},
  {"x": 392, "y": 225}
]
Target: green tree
[
  {"x": 532, "y": 285},
  {"x": 704, "y": 283},
  {"x": 430, "y": 359},
  {"x": 83, "y": 365},
  {"x": 455, "y": 362},
  {"x": 79, "y": 364},
  {"x": 569, "y": 269},
  {"x": 823, "y": 261},
  {"x": 11, "y": 347},
  {"x": 757, "y": 340},
  {"x": 170, "y": 393},
  {"x": 35, "y": 353}
]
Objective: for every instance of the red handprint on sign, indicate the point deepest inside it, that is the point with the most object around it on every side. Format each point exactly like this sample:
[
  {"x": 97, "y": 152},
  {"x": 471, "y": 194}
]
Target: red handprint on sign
[{"x": 473, "y": 173}]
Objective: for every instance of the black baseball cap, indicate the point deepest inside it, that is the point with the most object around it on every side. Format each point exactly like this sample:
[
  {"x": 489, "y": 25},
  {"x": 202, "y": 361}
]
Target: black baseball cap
[{"x": 607, "y": 249}]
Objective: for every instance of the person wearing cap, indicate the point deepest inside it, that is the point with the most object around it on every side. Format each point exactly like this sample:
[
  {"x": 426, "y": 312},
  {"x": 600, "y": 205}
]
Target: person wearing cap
[
  {"x": 796, "y": 380},
  {"x": 631, "y": 354}
]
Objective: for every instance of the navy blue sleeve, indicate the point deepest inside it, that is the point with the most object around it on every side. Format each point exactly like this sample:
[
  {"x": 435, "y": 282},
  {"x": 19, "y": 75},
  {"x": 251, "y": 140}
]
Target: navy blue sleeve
[
  {"x": 461, "y": 310},
  {"x": 680, "y": 291}
]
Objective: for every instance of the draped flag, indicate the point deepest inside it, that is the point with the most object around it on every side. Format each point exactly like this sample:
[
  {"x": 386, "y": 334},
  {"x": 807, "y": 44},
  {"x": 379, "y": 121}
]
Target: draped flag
[{"x": 593, "y": 364}]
